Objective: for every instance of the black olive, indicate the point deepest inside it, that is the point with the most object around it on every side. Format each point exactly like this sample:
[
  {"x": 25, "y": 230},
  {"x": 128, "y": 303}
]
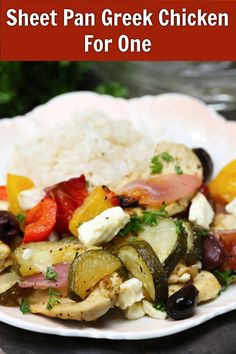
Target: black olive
[
  {"x": 9, "y": 226},
  {"x": 213, "y": 254},
  {"x": 182, "y": 304},
  {"x": 207, "y": 163}
]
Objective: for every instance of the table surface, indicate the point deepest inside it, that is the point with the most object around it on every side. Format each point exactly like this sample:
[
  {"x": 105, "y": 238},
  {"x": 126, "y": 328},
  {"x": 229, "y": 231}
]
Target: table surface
[{"x": 215, "y": 336}]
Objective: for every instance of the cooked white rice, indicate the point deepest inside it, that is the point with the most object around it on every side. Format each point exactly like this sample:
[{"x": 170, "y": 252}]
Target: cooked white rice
[{"x": 102, "y": 149}]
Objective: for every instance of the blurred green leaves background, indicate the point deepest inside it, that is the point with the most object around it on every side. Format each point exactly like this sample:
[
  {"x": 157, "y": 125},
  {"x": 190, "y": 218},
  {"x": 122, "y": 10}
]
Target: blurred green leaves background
[{"x": 25, "y": 85}]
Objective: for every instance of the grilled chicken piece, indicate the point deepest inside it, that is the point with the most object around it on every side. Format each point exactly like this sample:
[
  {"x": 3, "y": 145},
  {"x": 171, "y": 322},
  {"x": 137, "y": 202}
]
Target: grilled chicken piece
[
  {"x": 187, "y": 161},
  {"x": 100, "y": 300},
  {"x": 224, "y": 222},
  {"x": 182, "y": 159}
]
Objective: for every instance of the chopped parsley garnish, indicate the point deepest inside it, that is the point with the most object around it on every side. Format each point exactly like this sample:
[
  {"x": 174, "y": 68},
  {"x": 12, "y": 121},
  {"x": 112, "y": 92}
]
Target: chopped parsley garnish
[
  {"x": 133, "y": 227},
  {"x": 51, "y": 274},
  {"x": 179, "y": 227},
  {"x": 134, "y": 238},
  {"x": 178, "y": 170},
  {"x": 146, "y": 218},
  {"x": 24, "y": 306},
  {"x": 52, "y": 300},
  {"x": 203, "y": 232},
  {"x": 20, "y": 218},
  {"x": 225, "y": 278},
  {"x": 156, "y": 165},
  {"x": 160, "y": 306},
  {"x": 166, "y": 157},
  {"x": 151, "y": 217}
]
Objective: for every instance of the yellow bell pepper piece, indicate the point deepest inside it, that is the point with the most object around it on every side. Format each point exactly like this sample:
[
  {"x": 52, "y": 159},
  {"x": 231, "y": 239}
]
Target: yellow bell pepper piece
[
  {"x": 223, "y": 187},
  {"x": 93, "y": 205},
  {"x": 16, "y": 184}
]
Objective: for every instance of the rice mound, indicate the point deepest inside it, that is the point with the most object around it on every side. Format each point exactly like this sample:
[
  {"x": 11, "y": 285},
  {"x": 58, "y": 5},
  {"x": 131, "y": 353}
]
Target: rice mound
[{"x": 91, "y": 144}]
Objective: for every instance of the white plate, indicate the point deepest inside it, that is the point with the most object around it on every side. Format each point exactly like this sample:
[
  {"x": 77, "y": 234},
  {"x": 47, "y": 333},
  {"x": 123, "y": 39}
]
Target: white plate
[{"x": 178, "y": 118}]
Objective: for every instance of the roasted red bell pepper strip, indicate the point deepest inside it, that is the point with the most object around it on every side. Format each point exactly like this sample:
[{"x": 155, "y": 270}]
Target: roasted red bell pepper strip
[
  {"x": 40, "y": 221},
  {"x": 111, "y": 196},
  {"x": 68, "y": 195},
  {"x": 3, "y": 193}
]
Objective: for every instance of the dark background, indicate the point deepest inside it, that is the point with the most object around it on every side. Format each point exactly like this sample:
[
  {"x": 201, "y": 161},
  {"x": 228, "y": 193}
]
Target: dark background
[
  {"x": 24, "y": 85},
  {"x": 214, "y": 337}
]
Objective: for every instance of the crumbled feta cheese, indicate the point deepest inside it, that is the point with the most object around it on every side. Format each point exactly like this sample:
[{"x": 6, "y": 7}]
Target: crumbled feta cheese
[
  {"x": 103, "y": 227},
  {"x": 27, "y": 254},
  {"x": 199, "y": 264},
  {"x": 231, "y": 207},
  {"x": 130, "y": 292},
  {"x": 29, "y": 198},
  {"x": 174, "y": 278},
  {"x": 184, "y": 278},
  {"x": 4, "y": 205},
  {"x": 201, "y": 211},
  {"x": 152, "y": 312},
  {"x": 135, "y": 311}
]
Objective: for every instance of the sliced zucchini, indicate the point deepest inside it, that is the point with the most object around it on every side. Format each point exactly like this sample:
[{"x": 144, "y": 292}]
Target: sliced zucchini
[
  {"x": 33, "y": 258},
  {"x": 141, "y": 261},
  {"x": 88, "y": 269},
  {"x": 7, "y": 280},
  {"x": 181, "y": 156},
  {"x": 169, "y": 245},
  {"x": 9, "y": 289},
  {"x": 194, "y": 244}
]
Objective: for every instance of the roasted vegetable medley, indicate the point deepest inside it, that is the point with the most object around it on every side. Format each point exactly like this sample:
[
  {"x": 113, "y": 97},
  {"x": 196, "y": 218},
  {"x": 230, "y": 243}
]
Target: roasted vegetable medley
[{"x": 158, "y": 244}]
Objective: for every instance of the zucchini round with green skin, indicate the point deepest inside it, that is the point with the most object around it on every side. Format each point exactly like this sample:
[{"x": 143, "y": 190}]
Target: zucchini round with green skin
[
  {"x": 87, "y": 269},
  {"x": 168, "y": 244},
  {"x": 194, "y": 244},
  {"x": 178, "y": 252},
  {"x": 141, "y": 261},
  {"x": 181, "y": 156},
  {"x": 9, "y": 290}
]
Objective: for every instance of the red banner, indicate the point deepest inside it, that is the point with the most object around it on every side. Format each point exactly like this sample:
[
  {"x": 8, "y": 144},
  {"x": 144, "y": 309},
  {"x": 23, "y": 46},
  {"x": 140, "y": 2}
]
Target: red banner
[{"x": 117, "y": 30}]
